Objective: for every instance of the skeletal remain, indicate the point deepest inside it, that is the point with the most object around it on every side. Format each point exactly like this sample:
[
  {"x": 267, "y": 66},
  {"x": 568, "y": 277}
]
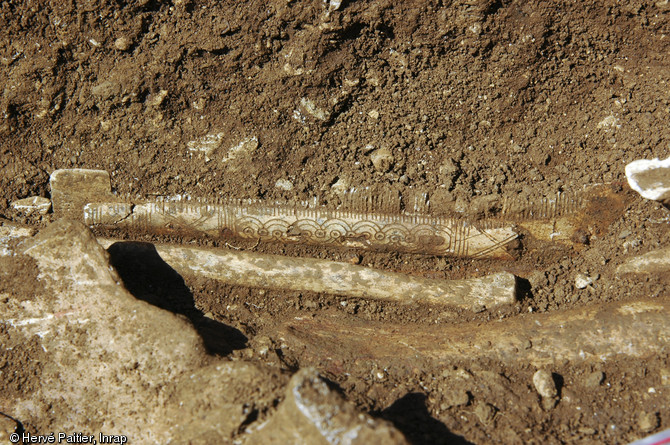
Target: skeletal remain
[
  {"x": 308, "y": 274},
  {"x": 650, "y": 178},
  {"x": 654, "y": 262},
  {"x": 590, "y": 334}
]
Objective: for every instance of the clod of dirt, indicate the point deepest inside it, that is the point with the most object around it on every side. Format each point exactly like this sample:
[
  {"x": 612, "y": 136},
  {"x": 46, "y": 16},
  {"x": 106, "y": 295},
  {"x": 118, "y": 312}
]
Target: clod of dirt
[
  {"x": 485, "y": 412},
  {"x": 220, "y": 398},
  {"x": 594, "y": 379},
  {"x": 454, "y": 397}
]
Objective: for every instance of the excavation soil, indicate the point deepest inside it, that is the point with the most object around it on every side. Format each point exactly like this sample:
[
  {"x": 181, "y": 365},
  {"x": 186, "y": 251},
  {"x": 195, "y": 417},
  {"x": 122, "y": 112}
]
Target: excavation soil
[{"x": 462, "y": 104}]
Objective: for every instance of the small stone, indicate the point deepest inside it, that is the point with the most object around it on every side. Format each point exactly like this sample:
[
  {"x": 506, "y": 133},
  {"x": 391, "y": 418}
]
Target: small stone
[
  {"x": 485, "y": 412},
  {"x": 609, "y": 123},
  {"x": 631, "y": 244},
  {"x": 284, "y": 184},
  {"x": 311, "y": 108},
  {"x": 665, "y": 377},
  {"x": 206, "y": 144},
  {"x": 625, "y": 234},
  {"x": 586, "y": 431},
  {"x": 476, "y": 29},
  {"x": 456, "y": 397},
  {"x": 155, "y": 100},
  {"x": 647, "y": 422},
  {"x": 582, "y": 281},
  {"x": 34, "y": 204},
  {"x": 544, "y": 384},
  {"x": 594, "y": 379},
  {"x": 368, "y": 148},
  {"x": 243, "y": 150},
  {"x": 106, "y": 90},
  {"x": 105, "y": 125},
  {"x": 382, "y": 159},
  {"x": 122, "y": 43},
  {"x": 340, "y": 186},
  {"x": 374, "y": 114},
  {"x": 352, "y": 258}
]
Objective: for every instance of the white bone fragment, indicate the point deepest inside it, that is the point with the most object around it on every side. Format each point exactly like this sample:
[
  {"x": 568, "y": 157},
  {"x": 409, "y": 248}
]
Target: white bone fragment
[
  {"x": 308, "y": 274},
  {"x": 650, "y": 178},
  {"x": 33, "y": 204}
]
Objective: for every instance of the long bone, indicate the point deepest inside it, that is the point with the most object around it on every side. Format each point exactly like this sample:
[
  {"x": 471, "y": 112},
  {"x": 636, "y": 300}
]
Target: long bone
[{"x": 253, "y": 269}]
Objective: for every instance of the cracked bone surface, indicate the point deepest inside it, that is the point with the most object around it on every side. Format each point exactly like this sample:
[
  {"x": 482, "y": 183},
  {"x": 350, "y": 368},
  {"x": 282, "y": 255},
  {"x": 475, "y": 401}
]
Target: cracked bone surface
[
  {"x": 650, "y": 178},
  {"x": 593, "y": 334},
  {"x": 309, "y": 274}
]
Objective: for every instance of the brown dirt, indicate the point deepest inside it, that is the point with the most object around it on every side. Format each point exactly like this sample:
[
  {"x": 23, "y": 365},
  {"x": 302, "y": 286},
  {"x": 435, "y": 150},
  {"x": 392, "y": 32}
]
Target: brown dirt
[{"x": 474, "y": 99}]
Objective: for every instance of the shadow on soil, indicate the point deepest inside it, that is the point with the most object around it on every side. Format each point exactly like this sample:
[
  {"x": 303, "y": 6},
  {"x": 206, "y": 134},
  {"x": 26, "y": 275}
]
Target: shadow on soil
[
  {"x": 149, "y": 278},
  {"x": 410, "y": 415}
]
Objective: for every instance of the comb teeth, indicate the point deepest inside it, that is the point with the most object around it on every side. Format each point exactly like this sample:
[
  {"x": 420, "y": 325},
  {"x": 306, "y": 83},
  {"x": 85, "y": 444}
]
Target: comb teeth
[
  {"x": 517, "y": 209},
  {"x": 370, "y": 201}
]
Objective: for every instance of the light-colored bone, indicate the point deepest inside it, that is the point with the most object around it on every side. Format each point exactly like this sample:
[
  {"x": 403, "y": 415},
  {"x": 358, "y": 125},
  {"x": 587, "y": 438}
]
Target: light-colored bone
[
  {"x": 309, "y": 274},
  {"x": 654, "y": 262},
  {"x": 33, "y": 204},
  {"x": 590, "y": 334},
  {"x": 650, "y": 178}
]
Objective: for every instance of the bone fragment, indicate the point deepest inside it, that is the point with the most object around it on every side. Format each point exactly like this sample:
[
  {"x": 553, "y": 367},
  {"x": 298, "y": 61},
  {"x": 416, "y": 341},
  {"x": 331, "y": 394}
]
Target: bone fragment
[
  {"x": 650, "y": 178},
  {"x": 591, "y": 334},
  {"x": 654, "y": 262},
  {"x": 309, "y": 274},
  {"x": 33, "y": 204}
]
